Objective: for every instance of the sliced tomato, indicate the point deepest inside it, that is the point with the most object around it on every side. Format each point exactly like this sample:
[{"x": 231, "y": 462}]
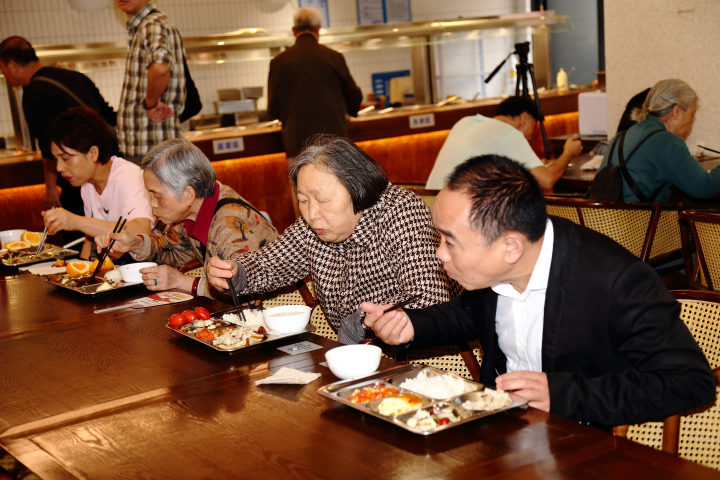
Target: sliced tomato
[
  {"x": 202, "y": 313},
  {"x": 443, "y": 421},
  {"x": 176, "y": 320},
  {"x": 205, "y": 334},
  {"x": 189, "y": 315}
]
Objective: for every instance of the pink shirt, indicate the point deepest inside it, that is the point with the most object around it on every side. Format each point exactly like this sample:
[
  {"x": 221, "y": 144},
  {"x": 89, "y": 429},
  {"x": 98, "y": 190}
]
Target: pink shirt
[{"x": 124, "y": 195}]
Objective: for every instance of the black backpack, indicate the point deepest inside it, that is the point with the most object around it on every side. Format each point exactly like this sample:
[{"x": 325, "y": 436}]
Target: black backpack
[
  {"x": 193, "y": 105},
  {"x": 608, "y": 185}
]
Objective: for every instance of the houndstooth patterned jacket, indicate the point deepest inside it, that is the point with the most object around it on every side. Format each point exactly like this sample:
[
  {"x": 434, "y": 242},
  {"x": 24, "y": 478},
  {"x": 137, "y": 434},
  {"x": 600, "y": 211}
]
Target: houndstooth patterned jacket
[{"x": 389, "y": 258}]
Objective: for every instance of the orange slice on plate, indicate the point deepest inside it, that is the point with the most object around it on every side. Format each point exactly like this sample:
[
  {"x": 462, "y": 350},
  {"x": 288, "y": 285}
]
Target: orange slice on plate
[
  {"x": 33, "y": 238},
  {"x": 75, "y": 268},
  {"x": 107, "y": 265},
  {"x": 17, "y": 245}
]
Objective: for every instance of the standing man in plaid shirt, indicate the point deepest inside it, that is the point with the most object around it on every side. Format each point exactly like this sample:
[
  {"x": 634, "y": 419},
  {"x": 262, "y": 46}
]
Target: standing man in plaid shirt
[{"x": 153, "y": 92}]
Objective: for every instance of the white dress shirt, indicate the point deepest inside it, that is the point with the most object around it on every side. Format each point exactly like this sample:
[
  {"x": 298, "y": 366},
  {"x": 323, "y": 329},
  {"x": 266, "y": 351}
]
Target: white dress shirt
[{"x": 519, "y": 317}]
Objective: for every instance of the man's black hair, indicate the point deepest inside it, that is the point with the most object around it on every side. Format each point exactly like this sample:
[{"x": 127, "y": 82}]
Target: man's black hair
[
  {"x": 18, "y": 50},
  {"x": 504, "y": 196},
  {"x": 514, "y": 106}
]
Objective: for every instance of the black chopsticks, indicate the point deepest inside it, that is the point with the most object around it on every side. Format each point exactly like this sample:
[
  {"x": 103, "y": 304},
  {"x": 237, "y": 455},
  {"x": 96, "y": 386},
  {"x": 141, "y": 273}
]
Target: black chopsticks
[
  {"x": 106, "y": 252},
  {"x": 235, "y": 299},
  {"x": 402, "y": 304},
  {"x": 708, "y": 149}
]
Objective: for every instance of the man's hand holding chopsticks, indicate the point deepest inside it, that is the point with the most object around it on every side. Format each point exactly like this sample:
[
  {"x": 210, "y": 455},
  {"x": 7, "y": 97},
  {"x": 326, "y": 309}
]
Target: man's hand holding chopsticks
[{"x": 393, "y": 328}]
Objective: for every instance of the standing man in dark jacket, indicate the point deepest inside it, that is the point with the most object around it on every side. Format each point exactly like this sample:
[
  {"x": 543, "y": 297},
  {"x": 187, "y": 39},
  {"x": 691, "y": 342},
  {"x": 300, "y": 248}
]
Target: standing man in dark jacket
[
  {"x": 48, "y": 92},
  {"x": 310, "y": 88}
]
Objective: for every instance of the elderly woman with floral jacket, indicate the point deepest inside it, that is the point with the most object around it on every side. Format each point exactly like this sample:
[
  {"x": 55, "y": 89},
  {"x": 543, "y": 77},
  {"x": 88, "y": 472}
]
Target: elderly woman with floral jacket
[{"x": 204, "y": 219}]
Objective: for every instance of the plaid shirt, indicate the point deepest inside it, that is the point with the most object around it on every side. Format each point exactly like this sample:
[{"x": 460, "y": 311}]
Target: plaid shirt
[
  {"x": 153, "y": 39},
  {"x": 389, "y": 258}
]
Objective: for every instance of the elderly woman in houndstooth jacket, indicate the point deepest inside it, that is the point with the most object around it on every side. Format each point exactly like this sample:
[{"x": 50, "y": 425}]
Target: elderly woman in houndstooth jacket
[{"x": 360, "y": 238}]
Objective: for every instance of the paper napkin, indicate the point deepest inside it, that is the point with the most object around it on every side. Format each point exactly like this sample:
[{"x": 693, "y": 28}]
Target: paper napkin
[
  {"x": 44, "y": 269},
  {"x": 289, "y": 376},
  {"x": 593, "y": 164}
]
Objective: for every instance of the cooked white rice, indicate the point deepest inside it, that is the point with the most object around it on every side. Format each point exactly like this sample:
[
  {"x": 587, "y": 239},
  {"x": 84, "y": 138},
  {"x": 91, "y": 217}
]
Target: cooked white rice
[
  {"x": 253, "y": 318},
  {"x": 438, "y": 386}
]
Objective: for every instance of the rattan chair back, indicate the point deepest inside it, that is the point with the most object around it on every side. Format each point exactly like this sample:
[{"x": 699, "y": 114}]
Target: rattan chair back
[
  {"x": 705, "y": 230},
  {"x": 694, "y": 436},
  {"x": 649, "y": 231}
]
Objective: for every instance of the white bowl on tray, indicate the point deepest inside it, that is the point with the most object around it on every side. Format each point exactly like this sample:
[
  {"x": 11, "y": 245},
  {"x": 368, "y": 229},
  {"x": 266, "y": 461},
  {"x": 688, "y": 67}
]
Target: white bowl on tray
[
  {"x": 287, "y": 318},
  {"x": 353, "y": 361},
  {"x": 7, "y": 236},
  {"x": 130, "y": 273}
]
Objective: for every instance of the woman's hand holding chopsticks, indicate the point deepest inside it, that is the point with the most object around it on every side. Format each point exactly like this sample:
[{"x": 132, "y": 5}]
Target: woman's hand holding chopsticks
[{"x": 124, "y": 242}]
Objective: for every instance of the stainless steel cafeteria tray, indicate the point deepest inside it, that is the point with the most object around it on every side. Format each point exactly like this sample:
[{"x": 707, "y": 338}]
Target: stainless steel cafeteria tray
[
  {"x": 339, "y": 391},
  {"x": 269, "y": 337},
  {"x": 91, "y": 290},
  {"x": 51, "y": 252}
]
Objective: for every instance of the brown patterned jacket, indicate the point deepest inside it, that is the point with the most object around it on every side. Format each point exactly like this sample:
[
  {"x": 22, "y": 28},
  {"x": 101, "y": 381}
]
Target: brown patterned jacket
[{"x": 236, "y": 228}]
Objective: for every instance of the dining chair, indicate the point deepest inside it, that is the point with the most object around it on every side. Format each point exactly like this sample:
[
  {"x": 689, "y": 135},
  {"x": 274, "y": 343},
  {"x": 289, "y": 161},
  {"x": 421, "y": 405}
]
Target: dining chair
[
  {"x": 704, "y": 227},
  {"x": 691, "y": 435},
  {"x": 649, "y": 231}
]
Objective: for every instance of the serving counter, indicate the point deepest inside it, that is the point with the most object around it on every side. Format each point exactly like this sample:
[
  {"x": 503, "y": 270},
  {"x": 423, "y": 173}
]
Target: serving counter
[{"x": 405, "y": 141}]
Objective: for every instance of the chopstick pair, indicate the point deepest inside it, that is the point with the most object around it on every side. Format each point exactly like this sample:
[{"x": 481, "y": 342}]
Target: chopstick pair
[
  {"x": 402, "y": 304},
  {"x": 42, "y": 240},
  {"x": 235, "y": 299},
  {"x": 106, "y": 252}
]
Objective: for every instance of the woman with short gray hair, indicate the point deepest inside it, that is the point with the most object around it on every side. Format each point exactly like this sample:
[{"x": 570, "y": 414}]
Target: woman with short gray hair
[
  {"x": 655, "y": 150},
  {"x": 360, "y": 238},
  {"x": 204, "y": 218}
]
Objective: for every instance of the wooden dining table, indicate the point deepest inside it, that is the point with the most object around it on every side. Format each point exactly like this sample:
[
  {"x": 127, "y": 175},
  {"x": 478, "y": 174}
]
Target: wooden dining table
[{"x": 119, "y": 395}]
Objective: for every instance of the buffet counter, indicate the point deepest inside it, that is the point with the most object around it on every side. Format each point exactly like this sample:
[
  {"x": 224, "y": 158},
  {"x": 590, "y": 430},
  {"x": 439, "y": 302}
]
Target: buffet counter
[{"x": 405, "y": 141}]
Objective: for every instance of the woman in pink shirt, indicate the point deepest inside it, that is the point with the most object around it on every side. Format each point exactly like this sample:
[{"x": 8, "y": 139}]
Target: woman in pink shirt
[{"x": 111, "y": 187}]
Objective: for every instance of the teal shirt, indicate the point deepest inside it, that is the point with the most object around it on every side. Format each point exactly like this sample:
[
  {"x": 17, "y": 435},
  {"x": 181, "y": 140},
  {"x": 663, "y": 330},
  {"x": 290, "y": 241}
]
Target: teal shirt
[{"x": 663, "y": 159}]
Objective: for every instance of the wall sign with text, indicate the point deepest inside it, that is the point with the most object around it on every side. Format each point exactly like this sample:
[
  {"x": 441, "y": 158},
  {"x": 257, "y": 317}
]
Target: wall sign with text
[
  {"x": 372, "y": 12},
  {"x": 228, "y": 145}
]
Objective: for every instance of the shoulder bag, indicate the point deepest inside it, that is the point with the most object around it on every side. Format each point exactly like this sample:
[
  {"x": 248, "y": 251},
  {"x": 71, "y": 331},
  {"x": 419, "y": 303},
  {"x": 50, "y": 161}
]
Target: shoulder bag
[{"x": 608, "y": 185}]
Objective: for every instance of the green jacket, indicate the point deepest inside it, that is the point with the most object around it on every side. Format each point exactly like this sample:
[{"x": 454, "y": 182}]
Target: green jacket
[{"x": 663, "y": 159}]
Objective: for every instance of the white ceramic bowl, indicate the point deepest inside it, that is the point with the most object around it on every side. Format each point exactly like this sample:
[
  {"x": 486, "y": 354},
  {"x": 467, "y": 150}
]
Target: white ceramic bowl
[
  {"x": 131, "y": 273},
  {"x": 10, "y": 236},
  {"x": 288, "y": 318},
  {"x": 353, "y": 361}
]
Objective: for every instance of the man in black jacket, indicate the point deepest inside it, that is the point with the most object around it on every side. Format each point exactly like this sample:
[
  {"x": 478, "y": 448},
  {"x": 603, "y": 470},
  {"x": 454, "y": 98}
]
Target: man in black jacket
[
  {"x": 310, "y": 88},
  {"x": 48, "y": 92},
  {"x": 566, "y": 317}
]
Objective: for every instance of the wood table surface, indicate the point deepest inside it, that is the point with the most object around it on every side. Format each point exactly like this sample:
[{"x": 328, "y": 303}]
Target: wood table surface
[
  {"x": 125, "y": 397},
  {"x": 576, "y": 179}
]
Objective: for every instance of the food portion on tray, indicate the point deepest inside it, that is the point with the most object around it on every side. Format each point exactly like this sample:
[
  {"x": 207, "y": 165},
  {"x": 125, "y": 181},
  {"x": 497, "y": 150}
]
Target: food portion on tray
[
  {"x": 229, "y": 332},
  {"x": 22, "y": 252},
  {"x": 421, "y": 399},
  {"x": 79, "y": 276}
]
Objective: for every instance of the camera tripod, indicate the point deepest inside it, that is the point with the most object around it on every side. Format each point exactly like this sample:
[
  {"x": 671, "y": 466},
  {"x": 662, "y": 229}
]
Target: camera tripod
[{"x": 525, "y": 69}]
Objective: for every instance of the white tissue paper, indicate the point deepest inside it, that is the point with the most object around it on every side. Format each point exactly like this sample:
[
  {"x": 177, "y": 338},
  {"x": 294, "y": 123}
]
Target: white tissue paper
[
  {"x": 289, "y": 376},
  {"x": 593, "y": 164},
  {"x": 46, "y": 268}
]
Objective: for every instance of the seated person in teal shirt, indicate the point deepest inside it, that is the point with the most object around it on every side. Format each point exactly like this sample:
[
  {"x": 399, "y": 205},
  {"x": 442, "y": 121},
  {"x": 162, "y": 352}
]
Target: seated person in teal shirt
[{"x": 664, "y": 159}]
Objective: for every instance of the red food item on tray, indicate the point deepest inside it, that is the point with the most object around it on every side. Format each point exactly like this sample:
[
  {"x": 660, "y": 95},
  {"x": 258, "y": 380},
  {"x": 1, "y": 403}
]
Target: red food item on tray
[
  {"x": 176, "y": 320},
  {"x": 368, "y": 394},
  {"x": 205, "y": 334},
  {"x": 190, "y": 316},
  {"x": 202, "y": 313}
]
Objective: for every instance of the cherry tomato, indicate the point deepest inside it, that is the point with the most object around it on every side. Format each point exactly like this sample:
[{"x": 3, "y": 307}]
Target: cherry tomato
[
  {"x": 443, "y": 421},
  {"x": 176, "y": 320},
  {"x": 189, "y": 315},
  {"x": 202, "y": 313}
]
